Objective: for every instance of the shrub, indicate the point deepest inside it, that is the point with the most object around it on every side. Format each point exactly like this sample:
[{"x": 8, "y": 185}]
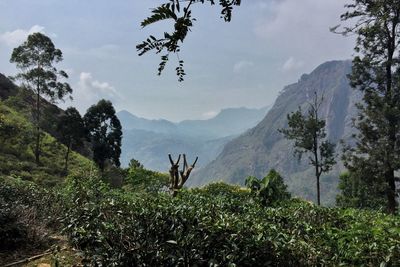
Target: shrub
[
  {"x": 357, "y": 193},
  {"x": 12, "y": 232},
  {"x": 143, "y": 180},
  {"x": 270, "y": 189},
  {"x": 27, "y": 213},
  {"x": 216, "y": 226}
]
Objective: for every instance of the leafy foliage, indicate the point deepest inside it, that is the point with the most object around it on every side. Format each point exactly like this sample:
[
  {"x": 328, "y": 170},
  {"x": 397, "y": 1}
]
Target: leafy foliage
[
  {"x": 139, "y": 179},
  {"x": 105, "y": 133},
  {"x": 216, "y": 225},
  {"x": 17, "y": 152},
  {"x": 308, "y": 133},
  {"x": 183, "y": 22},
  {"x": 221, "y": 225},
  {"x": 27, "y": 214},
  {"x": 356, "y": 193},
  {"x": 135, "y": 164},
  {"x": 270, "y": 189},
  {"x": 35, "y": 58},
  {"x": 72, "y": 129}
]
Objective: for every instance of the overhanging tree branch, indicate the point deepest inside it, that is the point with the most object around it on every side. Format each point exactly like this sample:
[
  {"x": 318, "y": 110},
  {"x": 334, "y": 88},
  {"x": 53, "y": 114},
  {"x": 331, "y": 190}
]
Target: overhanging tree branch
[{"x": 171, "y": 41}]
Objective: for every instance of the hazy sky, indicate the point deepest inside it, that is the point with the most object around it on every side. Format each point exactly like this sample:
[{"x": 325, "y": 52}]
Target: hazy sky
[{"x": 268, "y": 44}]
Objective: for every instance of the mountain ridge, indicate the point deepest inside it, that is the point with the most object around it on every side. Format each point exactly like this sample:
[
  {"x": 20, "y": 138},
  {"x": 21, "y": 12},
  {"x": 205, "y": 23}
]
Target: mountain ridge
[
  {"x": 227, "y": 116},
  {"x": 150, "y": 141},
  {"x": 263, "y": 147}
]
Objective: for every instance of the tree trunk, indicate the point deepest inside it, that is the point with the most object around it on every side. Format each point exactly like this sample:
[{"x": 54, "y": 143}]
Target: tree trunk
[
  {"x": 318, "y": 192},
  {"x": 67, "y": 157},
  {"x": 317, "y": 173},
  {"x": 37, "y": 148},
  {"x": 315, "y": 137},
  {"x": 391, "y": 191},
  {"x": 389, "y": 172}
]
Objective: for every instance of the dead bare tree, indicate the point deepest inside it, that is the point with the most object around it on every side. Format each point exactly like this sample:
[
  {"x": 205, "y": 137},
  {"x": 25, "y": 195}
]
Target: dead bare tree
[{"x": 179, "y": 178}]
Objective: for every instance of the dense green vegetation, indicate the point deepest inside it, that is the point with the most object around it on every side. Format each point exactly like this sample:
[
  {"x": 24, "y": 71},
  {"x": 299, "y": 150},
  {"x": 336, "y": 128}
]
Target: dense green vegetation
[
  {"x": 270, "y": 189},
  {"x": 216, "y": 225},
  {"x": 72, "y": 131},
  {"x": 104, "y": 132}
]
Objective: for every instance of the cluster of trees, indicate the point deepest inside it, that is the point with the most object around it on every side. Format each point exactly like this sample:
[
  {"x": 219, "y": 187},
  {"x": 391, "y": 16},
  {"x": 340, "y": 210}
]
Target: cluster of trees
[
  {"x": 374, "y": 160},
  {"x": 35, "y": 58},
  {"x": 100, "y": 126}
]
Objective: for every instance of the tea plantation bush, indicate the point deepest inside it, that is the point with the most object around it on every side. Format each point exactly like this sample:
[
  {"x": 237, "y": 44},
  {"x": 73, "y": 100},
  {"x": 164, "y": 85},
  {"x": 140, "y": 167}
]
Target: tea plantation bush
[
  {"x": 28, "y": 214},
  {"x": 221, "y": 225}
]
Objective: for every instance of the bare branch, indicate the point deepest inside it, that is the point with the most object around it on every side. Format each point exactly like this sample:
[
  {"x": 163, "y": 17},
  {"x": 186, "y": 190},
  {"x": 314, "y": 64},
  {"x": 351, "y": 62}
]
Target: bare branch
[
  {"x": 194, "y": 163},
  {"x": 170, "y": 159}
]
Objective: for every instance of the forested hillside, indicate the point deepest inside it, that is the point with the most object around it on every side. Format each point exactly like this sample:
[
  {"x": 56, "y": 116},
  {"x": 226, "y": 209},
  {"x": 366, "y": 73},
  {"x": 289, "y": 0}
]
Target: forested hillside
[{"x": 17, "y": 140}]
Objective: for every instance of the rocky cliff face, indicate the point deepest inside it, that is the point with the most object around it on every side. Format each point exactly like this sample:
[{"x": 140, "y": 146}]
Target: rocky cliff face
[{"x": 263, "y": 147}]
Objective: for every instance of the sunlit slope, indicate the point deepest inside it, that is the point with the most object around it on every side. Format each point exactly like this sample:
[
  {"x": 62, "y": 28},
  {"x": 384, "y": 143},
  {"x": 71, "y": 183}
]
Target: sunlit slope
[{"x": 16, "y": 151}]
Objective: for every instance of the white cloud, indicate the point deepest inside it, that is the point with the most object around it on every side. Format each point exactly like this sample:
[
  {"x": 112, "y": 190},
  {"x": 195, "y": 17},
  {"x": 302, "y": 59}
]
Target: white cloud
[
  {"x": 242, "y": 65},
  {"x": 88, "y": 91},
  {"x": 209, "y": 114},
  {"x": 18, "y": 36},
  {"x": 93, "y": 87},
  {"x": 292, "y": 64}
]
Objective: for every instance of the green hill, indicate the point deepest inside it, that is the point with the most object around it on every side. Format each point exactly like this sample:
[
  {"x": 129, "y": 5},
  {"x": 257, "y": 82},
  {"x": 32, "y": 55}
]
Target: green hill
[
  {"x": 17, "y": 139},
  {"x": 16, "y": 154}
]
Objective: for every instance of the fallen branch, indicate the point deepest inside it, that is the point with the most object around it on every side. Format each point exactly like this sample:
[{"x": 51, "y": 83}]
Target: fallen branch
[{"x": 30, "y": 259}]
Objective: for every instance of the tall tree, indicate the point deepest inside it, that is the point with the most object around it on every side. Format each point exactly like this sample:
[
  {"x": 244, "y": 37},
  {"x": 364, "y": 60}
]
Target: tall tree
[
  {"x": 183, "y": 22},
  {"x": 72, "y": 131},
  {"x": 105, "y": 132},
  {"x": 36, "y": 58},
  {"x": 308, "y": 133},
  {"x": 376, "y": 72}
]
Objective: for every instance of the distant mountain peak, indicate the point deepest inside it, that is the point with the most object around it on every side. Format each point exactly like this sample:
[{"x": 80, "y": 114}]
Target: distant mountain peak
[{"x": 149, "y": 141}]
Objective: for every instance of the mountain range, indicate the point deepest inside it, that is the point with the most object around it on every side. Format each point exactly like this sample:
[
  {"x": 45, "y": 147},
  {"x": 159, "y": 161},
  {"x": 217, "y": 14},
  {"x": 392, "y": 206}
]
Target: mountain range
[
  {"x": 150, "y": 141},
  {"x": 263, "y": 147}
]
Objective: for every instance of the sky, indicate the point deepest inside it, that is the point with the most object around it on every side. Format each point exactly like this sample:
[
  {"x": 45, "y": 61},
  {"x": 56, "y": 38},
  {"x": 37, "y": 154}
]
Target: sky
[{"x": 245, "y": 63}]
